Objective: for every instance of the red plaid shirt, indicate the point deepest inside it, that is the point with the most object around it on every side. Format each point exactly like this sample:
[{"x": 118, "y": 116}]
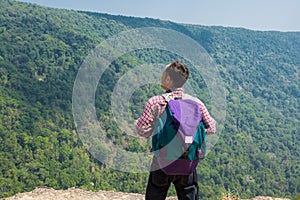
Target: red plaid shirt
[{"x": 156, "y": 106}]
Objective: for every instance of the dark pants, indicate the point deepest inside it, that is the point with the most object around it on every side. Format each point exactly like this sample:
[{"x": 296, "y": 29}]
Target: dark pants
[{"x": 158, "y": 184}]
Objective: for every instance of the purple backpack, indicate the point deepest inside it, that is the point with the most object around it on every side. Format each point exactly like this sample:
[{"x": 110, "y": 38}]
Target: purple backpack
[{"x": 179, "y": 138}]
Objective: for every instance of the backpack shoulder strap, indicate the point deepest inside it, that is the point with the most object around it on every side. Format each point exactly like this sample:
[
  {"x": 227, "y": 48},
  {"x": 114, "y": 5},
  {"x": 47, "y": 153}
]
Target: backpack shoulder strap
[{"x": 167, "y": 97}]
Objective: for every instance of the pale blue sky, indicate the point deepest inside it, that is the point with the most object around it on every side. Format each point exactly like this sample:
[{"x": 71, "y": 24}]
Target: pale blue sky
[{"x": 280, "y": 15}]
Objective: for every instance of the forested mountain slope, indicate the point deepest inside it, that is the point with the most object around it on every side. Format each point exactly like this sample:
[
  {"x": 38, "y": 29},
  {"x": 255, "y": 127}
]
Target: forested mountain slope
[{"x": 41, "y": 51}]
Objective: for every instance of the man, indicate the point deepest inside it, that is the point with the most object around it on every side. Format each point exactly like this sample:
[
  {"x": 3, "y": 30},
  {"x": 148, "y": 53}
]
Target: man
[{"x": 173, "y": 78}]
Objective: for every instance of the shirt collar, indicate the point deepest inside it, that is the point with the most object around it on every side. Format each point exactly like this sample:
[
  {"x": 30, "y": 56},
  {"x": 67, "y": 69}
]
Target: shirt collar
[{"x": 176, "y": 93}]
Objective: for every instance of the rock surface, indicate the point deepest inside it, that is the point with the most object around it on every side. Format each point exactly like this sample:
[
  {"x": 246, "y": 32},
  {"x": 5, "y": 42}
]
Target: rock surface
[{"x": 78, "y": 194}]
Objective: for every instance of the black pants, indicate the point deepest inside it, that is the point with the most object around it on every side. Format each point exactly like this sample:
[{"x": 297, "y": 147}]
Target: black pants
[{"x": 158, "y": 184}]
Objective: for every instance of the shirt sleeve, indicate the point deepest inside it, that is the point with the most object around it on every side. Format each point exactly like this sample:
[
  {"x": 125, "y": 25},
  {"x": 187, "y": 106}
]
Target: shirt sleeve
[
  {"x": 209, "y": 122},
  {"x": 145, "y": 124}
]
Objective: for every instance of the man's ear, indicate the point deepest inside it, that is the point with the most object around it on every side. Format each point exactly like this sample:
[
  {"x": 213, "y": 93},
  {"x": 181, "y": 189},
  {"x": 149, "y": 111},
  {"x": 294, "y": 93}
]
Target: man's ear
[{"x": 169, "y": 81}]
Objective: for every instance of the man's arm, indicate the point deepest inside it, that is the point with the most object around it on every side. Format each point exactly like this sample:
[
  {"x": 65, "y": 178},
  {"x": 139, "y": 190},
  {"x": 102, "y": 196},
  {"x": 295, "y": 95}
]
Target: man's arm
[
  {"x": 209, "y": 122},
  {"x": 146, "y": 123}
]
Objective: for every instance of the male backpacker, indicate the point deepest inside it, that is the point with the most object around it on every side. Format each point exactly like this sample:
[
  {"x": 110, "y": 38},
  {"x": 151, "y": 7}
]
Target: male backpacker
[{"x": 178, "y": 127}]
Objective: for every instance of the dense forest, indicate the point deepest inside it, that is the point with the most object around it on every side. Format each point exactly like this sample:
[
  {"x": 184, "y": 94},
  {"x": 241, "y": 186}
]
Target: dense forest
[{"x": 41, "y": 51}]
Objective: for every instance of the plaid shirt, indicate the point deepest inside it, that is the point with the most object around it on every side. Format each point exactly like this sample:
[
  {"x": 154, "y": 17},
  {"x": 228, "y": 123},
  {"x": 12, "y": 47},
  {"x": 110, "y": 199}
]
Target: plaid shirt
[{"x": 156, "y": 106}]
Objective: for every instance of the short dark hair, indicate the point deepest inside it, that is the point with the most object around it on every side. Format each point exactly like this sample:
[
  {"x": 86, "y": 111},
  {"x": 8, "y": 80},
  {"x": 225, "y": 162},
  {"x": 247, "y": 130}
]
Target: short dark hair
[{"x": 178, "y": 72}]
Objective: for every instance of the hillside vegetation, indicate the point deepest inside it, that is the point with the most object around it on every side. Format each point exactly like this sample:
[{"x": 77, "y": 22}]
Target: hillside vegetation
[{"x": 41, "y": 51}]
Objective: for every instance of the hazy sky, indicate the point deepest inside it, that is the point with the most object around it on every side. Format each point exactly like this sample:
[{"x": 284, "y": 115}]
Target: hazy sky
[{"x": 281, "y": 15}]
